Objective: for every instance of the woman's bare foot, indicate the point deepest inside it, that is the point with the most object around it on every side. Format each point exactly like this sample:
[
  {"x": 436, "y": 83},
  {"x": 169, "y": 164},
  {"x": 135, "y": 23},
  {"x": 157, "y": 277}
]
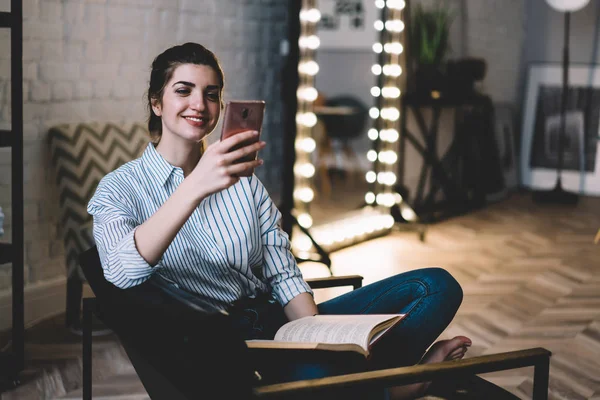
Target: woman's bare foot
[{"x": 444, "y": 350}]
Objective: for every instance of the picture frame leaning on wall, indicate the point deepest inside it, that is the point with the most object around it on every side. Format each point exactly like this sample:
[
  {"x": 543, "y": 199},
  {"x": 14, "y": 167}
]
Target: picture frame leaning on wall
[
  {"x": 541, "y": 128},
  {"x": 505, "y": 128}
]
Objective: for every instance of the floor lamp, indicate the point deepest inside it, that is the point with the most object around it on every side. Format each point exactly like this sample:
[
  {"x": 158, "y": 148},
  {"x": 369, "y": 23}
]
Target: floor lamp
[{"x": 558, "y": 194}]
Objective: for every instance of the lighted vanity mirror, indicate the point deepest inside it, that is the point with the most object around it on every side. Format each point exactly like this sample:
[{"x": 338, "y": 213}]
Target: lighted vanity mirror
[{"x": 347, "y": 119}]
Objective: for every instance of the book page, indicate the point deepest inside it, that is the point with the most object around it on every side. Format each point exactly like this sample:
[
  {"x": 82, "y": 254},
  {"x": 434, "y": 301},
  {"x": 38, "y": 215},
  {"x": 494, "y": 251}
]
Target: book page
[
  {"x": 331, "y": 329},
  {"x": 279, "y": 345}
]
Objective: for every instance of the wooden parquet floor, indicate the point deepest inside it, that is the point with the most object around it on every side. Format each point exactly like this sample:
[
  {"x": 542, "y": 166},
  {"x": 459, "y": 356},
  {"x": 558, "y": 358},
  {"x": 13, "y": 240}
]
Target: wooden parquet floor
[{"x": 530, "y": 276}]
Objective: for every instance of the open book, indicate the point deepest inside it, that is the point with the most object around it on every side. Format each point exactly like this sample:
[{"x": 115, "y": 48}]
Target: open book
[{"x": 331, "y": 332}]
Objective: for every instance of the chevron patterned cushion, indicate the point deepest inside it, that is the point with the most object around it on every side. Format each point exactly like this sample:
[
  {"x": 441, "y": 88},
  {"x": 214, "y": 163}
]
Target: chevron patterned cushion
[{"x": 82, "y": 154}]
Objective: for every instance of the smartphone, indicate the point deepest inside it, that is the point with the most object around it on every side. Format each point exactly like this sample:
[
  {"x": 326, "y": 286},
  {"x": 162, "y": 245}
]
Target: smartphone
[{"x": 241, "y": 116}]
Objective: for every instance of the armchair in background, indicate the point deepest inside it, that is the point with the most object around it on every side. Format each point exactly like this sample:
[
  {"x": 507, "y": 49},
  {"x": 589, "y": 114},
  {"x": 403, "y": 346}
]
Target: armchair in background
[{"x": 81, "y": 155}]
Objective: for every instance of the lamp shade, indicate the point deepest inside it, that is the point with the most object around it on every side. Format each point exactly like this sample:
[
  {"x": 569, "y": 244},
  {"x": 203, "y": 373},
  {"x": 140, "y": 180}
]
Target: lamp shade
[{"x": 567, "y": 5}]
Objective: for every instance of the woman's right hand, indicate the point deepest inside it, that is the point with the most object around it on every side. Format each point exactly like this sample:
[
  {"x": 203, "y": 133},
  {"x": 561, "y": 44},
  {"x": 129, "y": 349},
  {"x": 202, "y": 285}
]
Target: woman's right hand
[{"x": 217, "y": 169}]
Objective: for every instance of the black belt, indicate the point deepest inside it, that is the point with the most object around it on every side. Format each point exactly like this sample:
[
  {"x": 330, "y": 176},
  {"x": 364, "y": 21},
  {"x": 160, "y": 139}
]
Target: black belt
[
  {"x": 260, "y": 300},
  {"x": 257, "y": 317}
]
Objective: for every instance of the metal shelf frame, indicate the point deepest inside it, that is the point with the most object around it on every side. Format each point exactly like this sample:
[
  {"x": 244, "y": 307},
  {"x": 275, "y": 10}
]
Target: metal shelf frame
[{"x": 12, "y": 361}]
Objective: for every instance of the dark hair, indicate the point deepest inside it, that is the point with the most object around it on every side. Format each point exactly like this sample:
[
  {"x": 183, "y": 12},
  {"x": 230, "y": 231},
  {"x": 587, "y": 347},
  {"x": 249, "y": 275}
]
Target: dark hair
[{"x": 163, "y": 67}]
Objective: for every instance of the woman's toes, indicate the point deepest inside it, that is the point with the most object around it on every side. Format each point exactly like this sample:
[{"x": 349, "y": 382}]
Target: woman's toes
[
  {"x": 456, "y": 353},
  {"x": 461, "y": 350}
]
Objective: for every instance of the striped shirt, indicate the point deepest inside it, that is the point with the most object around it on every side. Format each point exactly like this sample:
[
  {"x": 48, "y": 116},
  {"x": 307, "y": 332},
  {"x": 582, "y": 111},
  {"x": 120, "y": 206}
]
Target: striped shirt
[{"x": 231, "y": 247}]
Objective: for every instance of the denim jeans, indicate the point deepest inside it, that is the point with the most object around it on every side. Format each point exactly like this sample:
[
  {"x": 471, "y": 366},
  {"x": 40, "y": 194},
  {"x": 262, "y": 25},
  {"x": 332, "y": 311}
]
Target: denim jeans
[{"x": 430, "y": 297}]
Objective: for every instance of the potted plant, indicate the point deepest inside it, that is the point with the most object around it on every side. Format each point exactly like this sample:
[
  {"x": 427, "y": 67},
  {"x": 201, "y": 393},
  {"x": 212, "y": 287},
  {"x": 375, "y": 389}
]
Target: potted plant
[{"x": 429, "y": 46}]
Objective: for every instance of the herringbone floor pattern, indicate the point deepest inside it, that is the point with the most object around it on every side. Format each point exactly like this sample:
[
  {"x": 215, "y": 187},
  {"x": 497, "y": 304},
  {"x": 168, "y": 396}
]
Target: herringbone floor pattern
[
  {"x": 531, "y": 278},
  {"x": 530, "y": 275}
]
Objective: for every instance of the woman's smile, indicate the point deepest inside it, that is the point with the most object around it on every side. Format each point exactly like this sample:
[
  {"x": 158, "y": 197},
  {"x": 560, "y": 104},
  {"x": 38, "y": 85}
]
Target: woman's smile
[{"x": 198, "y": 122}]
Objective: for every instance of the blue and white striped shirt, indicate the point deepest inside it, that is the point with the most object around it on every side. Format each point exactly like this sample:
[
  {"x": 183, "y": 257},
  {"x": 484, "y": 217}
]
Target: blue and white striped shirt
[{"x": 231, "y": 247}]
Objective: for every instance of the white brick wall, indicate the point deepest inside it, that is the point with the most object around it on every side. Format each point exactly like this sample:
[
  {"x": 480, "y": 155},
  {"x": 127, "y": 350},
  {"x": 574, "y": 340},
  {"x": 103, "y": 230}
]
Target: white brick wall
[
  {"x": 496, "y": 33},
  {"x": 89, "y": 60}
]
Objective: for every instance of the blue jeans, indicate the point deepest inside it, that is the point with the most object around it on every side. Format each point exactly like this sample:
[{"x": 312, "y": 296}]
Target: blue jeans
[{"x": 430, "y": 297}]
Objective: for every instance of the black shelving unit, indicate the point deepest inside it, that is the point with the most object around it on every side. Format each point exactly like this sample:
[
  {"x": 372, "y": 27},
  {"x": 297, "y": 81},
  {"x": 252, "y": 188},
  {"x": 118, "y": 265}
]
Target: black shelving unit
[{"x": 12, "y": 361}]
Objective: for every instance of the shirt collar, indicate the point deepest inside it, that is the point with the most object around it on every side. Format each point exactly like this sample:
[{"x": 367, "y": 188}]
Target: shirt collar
[{"x": 157, "y": 166}]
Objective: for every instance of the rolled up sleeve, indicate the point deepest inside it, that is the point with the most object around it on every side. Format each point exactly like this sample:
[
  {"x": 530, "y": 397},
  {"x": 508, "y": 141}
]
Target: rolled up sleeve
[
  {"x": 114, "y": 230},
  {"x": 279, "y": 266}
]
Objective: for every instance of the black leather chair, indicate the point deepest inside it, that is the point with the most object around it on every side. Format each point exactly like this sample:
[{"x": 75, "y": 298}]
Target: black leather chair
[
  {"x": 178, "y": 344},
  {"x": 183, "y": 348}
]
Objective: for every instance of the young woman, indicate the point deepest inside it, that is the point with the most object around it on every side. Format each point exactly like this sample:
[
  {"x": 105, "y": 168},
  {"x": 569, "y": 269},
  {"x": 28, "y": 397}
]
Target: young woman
[{"x": 183, "y": 212}]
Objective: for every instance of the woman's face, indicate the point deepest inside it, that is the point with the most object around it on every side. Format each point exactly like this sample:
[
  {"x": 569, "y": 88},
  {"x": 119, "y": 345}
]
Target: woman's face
[{"x": 191, "y": 103}]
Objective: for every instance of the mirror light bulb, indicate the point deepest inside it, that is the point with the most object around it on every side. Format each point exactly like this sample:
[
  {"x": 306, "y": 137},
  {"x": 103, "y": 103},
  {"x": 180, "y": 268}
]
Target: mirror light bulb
[
  {"x": 308, "y": 119},
  {"x": 306, "y": 145},
  {"x": 390, "y": 113},
  {"x": 392, "y": 70},
  {"x": 371, "y": 155},
  {"x": 394, "y": 25},
  {"x": 306, "y": 170},
  {"x": 312, "y": 15},
  {"x": 305, "y": 194},
  {"x": 307, "y": 93},
  {"x": 385, "y": 199},
  {"x": 305, "y": 220},
  {"x": 386, "y": 178},
  {"x": 388, "y": 221},
  {"x": 393, "y": 48},
  {"x": 390, "y": 92},
  {"x": 311, "y": 42},
  {"x": 388, "y": 157},
  {"x": 371, "y": 176},
  {"x": 308, "y": 68},
  {"x": 376, "y": 69},
  {"x": 397, "y": 198},
  {"x": 302, "y": 243},
  {"x": 395, "y": 4},
  {"x": 374, "y": 112},
  {"x": 373, "y": 134},
  {"x": 407, "y": 213},
  {"x": 389, "y": 135}
]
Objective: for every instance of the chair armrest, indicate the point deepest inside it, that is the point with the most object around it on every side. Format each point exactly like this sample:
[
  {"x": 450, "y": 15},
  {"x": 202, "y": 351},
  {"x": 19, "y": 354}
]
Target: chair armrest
[
  {"x": 537, "y": 357},
  {"x": 333, "y": 281}
]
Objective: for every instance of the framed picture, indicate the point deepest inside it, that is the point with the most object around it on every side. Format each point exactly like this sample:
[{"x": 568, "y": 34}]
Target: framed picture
[
  {"x": 504, "y": 133},
  {"x": 504, "y": 129},
  {"x": 542, "y": 125},
  {"x": 347, "y": 24}
]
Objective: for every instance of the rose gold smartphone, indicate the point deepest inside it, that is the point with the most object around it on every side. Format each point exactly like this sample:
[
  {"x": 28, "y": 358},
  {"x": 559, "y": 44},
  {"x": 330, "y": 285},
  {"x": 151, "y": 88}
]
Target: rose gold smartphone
[{"x": 241, "y": 116}]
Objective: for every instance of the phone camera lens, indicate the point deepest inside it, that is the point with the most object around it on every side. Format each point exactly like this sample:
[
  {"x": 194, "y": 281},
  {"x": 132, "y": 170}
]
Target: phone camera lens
[{"x": 244, "y": 113}]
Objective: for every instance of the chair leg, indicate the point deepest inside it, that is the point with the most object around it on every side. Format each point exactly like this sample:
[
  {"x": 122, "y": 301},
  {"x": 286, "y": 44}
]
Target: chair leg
[
  {"x": 541, "y": 373},
  {"x": 88, "y": 307},
  {"x": 74, "y": 294}
]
